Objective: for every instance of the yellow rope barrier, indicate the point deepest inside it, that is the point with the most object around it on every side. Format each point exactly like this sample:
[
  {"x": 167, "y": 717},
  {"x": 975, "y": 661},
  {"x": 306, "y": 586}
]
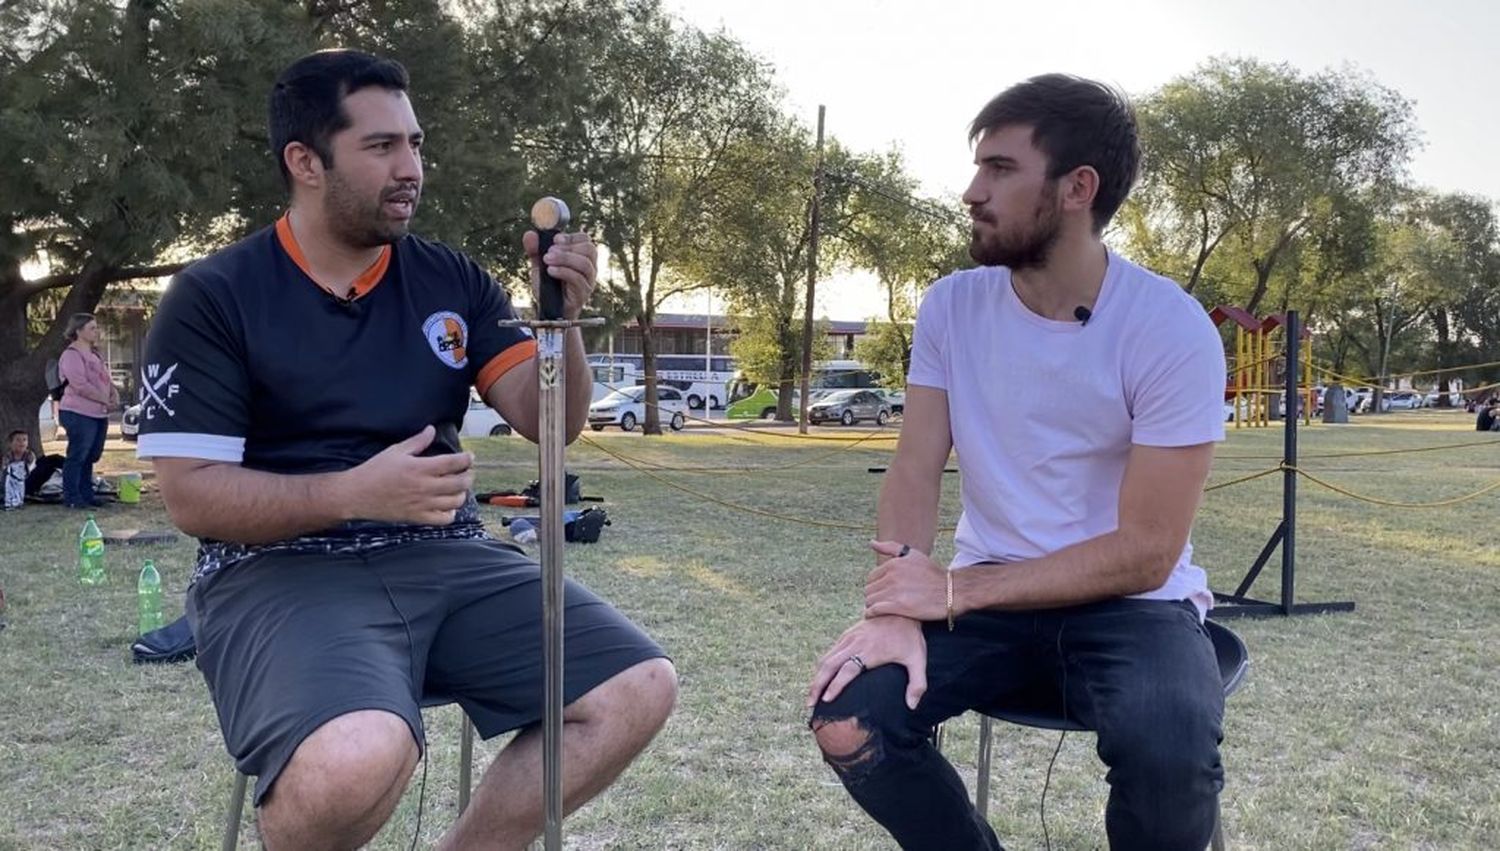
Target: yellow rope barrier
[
  {"x": 1495, "y": 485},
  {"x": 1489, "y": 442},
  {"x": 747, "y": 469},
  {"x": 743, "y": 508},
  {"x": 1241, "y": 480}
]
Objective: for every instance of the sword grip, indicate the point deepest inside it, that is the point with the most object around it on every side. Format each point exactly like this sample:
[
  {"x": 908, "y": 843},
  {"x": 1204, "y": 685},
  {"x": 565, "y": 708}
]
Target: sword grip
[{"x": 550, "y": 296}]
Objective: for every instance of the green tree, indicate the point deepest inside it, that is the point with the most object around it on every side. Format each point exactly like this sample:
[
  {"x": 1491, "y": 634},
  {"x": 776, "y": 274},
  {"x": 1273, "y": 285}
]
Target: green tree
[
  {"x": 132, "y": 136},
  {"x": 123, "y": 127},
  {"x": 755, "y": 241},
  {"x": 651, "y": 147},
  {"x": 1243, "y": 159},
  {"x": 908, "y": 242}
]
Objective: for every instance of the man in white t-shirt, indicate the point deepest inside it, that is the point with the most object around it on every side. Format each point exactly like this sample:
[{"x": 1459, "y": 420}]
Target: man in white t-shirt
[{"x": 1083, "y": 395}]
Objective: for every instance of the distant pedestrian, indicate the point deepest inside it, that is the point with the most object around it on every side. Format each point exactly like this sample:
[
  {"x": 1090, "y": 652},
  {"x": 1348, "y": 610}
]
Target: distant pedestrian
[{"x": 84, "y": 410}]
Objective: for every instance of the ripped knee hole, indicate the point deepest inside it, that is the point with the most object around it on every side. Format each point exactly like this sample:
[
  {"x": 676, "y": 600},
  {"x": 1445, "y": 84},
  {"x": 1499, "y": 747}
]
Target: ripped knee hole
[{"x": 847, "y": 746}]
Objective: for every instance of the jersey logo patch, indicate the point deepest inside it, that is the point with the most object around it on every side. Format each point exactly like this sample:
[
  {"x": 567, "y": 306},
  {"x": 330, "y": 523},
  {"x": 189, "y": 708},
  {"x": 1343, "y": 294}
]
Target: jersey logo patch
[
  {"x": 447, "y": 334},
  {"x": 159, "y": 387}
]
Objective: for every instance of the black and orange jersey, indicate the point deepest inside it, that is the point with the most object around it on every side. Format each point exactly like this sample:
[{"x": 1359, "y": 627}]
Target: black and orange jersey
[{"x": 251, "y": 361}]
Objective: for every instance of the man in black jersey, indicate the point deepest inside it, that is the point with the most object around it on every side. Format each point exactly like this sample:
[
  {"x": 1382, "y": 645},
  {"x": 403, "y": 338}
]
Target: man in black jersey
[{"x": 303, "y": 390}]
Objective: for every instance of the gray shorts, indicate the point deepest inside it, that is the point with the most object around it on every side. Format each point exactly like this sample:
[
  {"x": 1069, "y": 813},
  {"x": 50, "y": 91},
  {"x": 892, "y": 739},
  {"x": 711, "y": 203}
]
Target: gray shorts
[{"x": 288, "y": 641}]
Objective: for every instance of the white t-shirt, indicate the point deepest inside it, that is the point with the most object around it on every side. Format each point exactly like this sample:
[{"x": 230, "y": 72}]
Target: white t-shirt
[{"x": 1044, "y": 413}]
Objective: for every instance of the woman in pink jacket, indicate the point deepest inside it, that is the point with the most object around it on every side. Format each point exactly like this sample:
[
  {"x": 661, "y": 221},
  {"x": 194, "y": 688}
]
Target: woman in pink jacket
[{"x": 84, "y": 410}]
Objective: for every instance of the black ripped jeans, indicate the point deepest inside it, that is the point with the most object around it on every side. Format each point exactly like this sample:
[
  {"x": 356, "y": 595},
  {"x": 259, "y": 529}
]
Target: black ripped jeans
[{"x": 1141, "y": 673}]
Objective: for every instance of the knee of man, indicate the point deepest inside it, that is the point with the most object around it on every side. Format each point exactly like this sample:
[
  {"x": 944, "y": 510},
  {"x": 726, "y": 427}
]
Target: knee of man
[
  {"x": 656, "y": 686},
  {"x": 646, "y": 692},
  {"x": 1186, "y": 759},
  {"x": 344, "y": 767},
  {"x": 840, "y": 738}
]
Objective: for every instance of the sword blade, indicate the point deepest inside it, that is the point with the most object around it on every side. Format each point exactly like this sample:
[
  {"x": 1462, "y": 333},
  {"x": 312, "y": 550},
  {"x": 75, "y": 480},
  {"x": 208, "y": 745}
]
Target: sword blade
[{"x": 552, "y": 401}]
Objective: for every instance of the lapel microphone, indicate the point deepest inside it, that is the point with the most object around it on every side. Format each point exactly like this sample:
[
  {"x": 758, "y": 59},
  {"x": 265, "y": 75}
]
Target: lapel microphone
[{"x": 1082, "y": 314}]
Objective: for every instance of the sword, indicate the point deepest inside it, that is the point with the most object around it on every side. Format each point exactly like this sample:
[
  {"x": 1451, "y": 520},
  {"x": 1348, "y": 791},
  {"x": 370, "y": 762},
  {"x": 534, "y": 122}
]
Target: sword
[
  {"x": 160, "y": 382},
  {"x": 550, "y": 215}
]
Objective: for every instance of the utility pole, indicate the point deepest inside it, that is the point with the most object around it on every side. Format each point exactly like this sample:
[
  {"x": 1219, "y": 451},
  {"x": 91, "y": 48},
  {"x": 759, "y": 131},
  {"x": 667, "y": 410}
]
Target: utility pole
[{"x": 812, "y": 279}]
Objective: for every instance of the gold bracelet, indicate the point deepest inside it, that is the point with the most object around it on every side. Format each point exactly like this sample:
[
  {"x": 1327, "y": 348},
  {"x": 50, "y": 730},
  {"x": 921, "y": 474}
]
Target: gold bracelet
[{"x": 950, "y": 599}]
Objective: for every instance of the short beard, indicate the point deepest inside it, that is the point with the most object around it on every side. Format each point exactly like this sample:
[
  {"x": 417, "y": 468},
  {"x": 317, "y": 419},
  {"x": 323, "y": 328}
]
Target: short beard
[
  {"x": 360, "y": 224},
  {"x": 1030, "y": 249}
]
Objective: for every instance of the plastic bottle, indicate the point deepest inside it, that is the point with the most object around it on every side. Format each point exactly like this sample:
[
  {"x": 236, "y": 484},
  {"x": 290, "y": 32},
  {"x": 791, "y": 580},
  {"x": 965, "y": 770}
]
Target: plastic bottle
[
  {"x": 90, "y": 554},
  {"x": 148, "y": 593}
]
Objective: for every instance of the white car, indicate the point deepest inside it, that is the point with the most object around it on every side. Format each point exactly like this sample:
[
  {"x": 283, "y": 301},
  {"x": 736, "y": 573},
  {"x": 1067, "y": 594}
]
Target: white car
[
  {"x": 482, "y": 420},
  {"x": 1401, "y": 400},
  {"x": 627, "y": 406}
]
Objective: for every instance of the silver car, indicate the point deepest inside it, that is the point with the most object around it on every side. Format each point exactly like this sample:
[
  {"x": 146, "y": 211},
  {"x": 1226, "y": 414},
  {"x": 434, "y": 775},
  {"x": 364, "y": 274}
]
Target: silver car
[{"x": 849, "y": 407}]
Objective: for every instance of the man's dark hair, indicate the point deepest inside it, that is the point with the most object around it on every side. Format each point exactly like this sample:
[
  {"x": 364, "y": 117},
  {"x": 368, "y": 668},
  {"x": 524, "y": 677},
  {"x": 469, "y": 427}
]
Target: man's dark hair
[
  {"x": 307, "y": 101},
  {"x": 1074, "y": 122},
  {"x": 12, "y": 435}
]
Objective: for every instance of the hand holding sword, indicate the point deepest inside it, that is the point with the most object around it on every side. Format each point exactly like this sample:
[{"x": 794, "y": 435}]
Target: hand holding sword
[{"x": 563, "y": 273}]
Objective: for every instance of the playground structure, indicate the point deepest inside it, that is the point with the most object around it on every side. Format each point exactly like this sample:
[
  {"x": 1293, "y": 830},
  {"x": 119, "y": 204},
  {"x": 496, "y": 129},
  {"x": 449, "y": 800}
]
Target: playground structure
[{"x": 1258, "y": 365}]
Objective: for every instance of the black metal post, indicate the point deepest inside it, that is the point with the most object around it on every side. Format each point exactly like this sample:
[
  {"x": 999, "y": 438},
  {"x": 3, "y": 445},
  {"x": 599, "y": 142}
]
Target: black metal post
[
  {"x": 1238, "y": 604},
  {"x": 1293, "y": 330}
]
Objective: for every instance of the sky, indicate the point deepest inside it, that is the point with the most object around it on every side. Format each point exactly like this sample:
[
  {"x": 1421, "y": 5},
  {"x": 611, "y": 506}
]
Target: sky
[{"x": 911, "y": 74}]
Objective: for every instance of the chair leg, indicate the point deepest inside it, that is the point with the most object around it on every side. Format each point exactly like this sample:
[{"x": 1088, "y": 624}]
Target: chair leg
[
  {"x": 236, "y": 810},
  {"x": 465, "y": 762},
  {"x": 982, "y": 768},
  {"x": 1218, "y": 840}
]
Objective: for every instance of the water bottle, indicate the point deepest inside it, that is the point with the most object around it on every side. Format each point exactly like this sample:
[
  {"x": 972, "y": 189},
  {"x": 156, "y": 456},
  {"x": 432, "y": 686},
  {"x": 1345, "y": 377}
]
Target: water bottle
[
  {"x": 90, "y": 554},
  {"x": 148, "y": 593}
]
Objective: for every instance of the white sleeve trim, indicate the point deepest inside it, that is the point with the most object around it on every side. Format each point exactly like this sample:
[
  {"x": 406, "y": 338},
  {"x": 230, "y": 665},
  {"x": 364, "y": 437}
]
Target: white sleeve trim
[{"x": 207, "y": 447}]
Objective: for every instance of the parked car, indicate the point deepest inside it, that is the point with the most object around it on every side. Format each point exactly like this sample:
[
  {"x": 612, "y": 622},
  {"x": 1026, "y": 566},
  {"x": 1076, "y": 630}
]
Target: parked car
[
  {"x": 1401, "y": 400},
  {"x": 1455, "y": 400},
  {"x": 849, "y": 407},
  {"x": 627, "y": 406},
  {"x": 482, "y": 421},
  {"x": 897, "y": 400},
  {"x": 761, "y": 405}
]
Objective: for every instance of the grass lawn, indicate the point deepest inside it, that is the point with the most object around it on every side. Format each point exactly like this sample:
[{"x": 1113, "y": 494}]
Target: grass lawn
[{"x": 1377, "y": 729}]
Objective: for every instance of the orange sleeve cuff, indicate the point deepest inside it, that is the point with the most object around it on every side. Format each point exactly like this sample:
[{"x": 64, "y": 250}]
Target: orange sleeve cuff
[{"x": 502, "y": 363}]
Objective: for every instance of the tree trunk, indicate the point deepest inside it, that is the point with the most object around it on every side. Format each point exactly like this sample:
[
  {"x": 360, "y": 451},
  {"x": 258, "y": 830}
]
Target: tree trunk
[
  {"x": 1262, "y": 282},
  {"x": 1444, "y": 352},
  {"x": 652, "y": 423}
]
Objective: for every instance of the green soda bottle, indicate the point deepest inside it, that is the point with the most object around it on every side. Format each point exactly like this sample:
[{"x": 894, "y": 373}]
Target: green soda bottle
[
  {"x": 148, "y": 593},
  {"x": 90, "y": 554}
]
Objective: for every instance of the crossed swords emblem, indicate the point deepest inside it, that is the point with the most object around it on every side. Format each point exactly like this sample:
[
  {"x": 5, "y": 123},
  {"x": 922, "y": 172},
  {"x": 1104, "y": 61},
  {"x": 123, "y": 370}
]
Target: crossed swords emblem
[{"x": 153, "y": 387}]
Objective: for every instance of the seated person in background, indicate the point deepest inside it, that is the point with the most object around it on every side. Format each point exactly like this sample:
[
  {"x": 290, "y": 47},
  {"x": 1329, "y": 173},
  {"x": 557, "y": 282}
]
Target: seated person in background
[
  {"x": 304, "y": 389},
  {"x": 1489, "y": 416},
  {"x": 24, "y": 472}
]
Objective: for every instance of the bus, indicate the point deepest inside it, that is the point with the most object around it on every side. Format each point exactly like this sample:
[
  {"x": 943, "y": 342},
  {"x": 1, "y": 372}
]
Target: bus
[
  {"x": 703, "y": 380},
  {"x": 747, "y": 400}
]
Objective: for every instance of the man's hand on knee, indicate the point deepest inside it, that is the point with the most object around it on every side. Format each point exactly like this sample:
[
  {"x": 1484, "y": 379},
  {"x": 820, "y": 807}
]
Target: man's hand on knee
[{"x": 870, "y": 643}]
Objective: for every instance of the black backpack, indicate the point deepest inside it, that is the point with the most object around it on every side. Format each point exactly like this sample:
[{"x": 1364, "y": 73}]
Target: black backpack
[{"x": 55, "y": 382}]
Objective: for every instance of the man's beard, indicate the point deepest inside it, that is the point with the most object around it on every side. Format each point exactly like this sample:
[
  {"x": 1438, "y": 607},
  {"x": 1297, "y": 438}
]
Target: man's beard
[
  {"x": 1026, "y": 250},
  {"x": 362, "y": 224}
]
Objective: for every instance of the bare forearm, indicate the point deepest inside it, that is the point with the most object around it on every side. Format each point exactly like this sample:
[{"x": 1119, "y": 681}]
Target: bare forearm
[
  {"x": 580, "y": 384},
  {"x": 526, "y": 394},
  {"x": 230, "y": 503},
  {"x": 908, "y": 506},
  {"x": 1111, "y": 565}
]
